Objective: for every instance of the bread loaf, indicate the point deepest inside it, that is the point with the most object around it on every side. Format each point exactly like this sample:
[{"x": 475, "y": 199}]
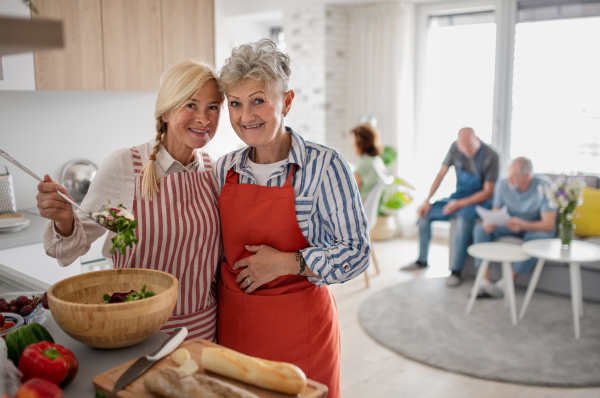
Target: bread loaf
[
  {"x": 173, "y": 383},
  {"x": 276, "y": 376}
]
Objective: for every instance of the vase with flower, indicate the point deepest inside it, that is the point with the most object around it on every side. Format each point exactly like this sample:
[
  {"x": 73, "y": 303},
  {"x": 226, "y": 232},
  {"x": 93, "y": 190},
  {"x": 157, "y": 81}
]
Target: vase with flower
[{"x": 565, "y": 194}]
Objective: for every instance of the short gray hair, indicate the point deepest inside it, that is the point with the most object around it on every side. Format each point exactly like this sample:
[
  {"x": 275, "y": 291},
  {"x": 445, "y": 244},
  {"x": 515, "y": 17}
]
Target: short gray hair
[
  {"x": 524, "y": 164},
  {"x": 260, "y": 61}
]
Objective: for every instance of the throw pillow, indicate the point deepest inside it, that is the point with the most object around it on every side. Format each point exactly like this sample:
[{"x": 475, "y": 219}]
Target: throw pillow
[{"x": 588, "y": 222}]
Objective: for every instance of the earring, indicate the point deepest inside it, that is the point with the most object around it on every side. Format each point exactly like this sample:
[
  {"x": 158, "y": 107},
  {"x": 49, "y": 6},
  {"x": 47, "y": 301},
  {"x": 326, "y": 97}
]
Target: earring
[{"x": 284, "y": 114}]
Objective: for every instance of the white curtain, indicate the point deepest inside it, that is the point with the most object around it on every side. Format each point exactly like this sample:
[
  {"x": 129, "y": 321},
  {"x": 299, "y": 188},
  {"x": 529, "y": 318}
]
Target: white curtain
[{"x": 381, "y": 73}]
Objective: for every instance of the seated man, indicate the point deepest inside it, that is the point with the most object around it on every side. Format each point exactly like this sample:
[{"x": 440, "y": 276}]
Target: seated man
[
  {"x": 532, "y": 218},
  {"x": 477, "y": 167}
]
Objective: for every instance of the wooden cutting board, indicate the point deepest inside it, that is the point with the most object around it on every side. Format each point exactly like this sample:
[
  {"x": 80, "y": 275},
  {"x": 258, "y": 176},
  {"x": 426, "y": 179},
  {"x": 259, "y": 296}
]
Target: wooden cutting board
[{"x": 107, "y": 380}]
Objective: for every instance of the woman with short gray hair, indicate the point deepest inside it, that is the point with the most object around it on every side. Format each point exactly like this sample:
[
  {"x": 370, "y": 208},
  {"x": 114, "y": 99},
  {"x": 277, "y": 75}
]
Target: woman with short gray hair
[{"x": 292, "y": 223}]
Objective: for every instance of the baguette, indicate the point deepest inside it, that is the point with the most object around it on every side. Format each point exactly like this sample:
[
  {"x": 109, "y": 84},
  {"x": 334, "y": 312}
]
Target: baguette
[
  {"x": 173, "y": 383},
  {"x": 270, "y": 375}
]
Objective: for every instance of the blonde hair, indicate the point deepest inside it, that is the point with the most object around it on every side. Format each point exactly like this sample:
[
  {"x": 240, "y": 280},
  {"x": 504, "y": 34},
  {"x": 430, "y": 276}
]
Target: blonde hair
[
  {"x": 261, "y": 61},
  {"x": 177, "y": 85}
]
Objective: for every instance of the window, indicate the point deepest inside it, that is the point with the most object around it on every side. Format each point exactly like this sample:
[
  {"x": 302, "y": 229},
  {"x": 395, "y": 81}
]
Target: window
[
  {"x": 556, "y": 86},
  {"x": 459, "y": 87}
]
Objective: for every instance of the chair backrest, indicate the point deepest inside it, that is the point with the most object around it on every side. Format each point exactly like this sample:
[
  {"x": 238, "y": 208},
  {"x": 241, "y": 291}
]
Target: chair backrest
[{"x": 371, "y": 203}]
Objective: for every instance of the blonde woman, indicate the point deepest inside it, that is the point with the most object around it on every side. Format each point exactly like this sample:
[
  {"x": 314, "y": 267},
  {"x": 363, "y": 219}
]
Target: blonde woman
[{"x": 170, "y": 188}]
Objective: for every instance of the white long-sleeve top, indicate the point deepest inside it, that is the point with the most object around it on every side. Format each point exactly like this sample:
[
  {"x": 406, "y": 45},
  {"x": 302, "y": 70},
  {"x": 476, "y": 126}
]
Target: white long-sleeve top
[{"x": 115, "y": 180}]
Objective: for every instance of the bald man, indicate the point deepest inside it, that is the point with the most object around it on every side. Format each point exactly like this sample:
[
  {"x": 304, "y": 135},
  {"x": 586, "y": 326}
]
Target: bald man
[{"x": 477, "y": 167}]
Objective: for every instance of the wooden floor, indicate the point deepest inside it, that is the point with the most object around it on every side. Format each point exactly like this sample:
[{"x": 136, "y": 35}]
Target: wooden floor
[{"x": 370, "y": 370}]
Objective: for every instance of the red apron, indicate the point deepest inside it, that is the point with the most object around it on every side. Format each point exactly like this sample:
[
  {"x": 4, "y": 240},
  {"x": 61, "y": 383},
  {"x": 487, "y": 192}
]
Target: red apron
[
  {"x": 288, "y": 319},
  {"x": 179, "y": 233}
]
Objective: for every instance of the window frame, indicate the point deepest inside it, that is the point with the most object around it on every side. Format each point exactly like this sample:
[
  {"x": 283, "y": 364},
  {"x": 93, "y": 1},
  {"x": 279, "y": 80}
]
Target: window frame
[{"x": 505, "y": 15}]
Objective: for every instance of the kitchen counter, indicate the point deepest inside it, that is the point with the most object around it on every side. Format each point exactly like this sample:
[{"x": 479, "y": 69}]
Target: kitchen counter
[
  {"x": 23, "y": 260},
  {"x": 31, "y": 234},
  {"x": 93, "y": 361}
]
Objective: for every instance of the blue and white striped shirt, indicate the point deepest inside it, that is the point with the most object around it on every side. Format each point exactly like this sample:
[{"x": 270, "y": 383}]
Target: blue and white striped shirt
[{"x": 328, "y": 207}]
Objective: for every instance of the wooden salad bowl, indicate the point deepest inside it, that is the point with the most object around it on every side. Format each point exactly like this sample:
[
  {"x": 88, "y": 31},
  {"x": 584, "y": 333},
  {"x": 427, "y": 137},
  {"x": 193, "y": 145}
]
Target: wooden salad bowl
[{"x": 77, "y": 306}]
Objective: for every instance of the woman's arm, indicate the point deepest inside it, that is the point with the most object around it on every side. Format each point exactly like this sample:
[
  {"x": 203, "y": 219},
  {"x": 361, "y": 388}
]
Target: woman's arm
[
  {"x": 358, "y": 179},
  {"x": 340, "y": 211},
  {"x": 106, "y": 185}
]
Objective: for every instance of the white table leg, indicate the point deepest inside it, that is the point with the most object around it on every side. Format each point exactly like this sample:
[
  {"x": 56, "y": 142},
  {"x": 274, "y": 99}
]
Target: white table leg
[
  {"x": 509, "y": 290},
  {"x": 575, "y": 295},
  {"x": 580, "y": 291},
  {"x": 476, "y": 285},
  {"x": 531, "y": 288}
]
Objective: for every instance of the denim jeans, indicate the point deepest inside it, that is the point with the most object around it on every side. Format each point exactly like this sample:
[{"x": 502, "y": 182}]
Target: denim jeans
[
  {"x": 521, "y": 267},
  {"x": 464, "y": 230}
]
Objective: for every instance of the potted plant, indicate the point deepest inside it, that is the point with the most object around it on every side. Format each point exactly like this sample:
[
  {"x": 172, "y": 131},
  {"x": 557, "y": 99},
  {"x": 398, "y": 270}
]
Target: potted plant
[{"x": 394, "y": 197}]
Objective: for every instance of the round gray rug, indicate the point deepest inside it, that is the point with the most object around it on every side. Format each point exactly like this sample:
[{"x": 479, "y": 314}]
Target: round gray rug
[{"x": 426, "y": 321}]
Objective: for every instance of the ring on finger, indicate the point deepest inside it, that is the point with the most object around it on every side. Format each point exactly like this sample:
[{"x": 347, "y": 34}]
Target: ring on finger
[{"x": 248, "y": 280}]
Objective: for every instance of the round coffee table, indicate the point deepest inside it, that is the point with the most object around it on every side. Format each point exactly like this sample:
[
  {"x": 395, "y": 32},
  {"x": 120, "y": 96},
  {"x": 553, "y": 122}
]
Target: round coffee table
[
  {"x": 551, "y": 249},
  {"x": 505, "y": 253}
]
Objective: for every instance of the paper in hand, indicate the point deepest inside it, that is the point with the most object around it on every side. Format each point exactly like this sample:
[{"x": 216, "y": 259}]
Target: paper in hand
[{"x": 494, "y": 217}]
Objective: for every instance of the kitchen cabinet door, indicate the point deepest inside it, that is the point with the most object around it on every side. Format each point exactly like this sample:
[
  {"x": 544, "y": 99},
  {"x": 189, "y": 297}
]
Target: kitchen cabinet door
[
  {"x": 79, "y": 65},
  {"x": 131, "y": 30},
  {"x": 188, "y": 31}
]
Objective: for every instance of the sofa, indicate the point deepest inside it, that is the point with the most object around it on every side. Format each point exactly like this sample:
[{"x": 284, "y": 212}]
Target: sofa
[{"x": 555, "y": 276}]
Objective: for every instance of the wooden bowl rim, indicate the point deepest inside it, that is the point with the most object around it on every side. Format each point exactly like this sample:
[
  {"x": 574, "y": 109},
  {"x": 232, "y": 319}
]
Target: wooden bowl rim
[{"x": 174, "y": 286}]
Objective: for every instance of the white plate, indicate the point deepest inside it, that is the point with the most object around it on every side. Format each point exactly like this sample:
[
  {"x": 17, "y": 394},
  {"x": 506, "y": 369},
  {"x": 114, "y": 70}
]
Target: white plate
[{"x": 13, "y": 224}]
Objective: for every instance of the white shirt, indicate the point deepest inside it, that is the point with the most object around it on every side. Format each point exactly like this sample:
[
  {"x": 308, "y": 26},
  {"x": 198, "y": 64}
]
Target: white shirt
[
  {"x": 262, "y": 172},
  {"x": 328, "y": 207},
  {"x": 115, "y": 180}
]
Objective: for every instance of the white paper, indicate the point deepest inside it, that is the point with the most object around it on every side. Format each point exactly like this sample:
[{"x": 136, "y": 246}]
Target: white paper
[{"x": 494, "y": 217}]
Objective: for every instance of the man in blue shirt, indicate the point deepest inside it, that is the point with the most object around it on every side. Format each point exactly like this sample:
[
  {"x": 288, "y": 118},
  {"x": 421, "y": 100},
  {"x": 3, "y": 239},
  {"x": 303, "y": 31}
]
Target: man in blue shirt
[{"x": 532, "y": 218}]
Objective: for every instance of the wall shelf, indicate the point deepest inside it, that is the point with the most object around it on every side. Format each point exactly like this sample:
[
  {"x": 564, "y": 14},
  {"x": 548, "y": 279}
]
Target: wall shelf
[{"x": 19, "y": 35}]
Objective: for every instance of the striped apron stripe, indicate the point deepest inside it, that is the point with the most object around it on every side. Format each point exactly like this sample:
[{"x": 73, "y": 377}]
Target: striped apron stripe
[{"x": 180, "y": 233}]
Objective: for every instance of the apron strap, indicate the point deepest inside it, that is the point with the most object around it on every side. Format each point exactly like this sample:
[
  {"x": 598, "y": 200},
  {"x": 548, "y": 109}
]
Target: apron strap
[
  {"x": 232, "y": 177},
  {"x": 288, "y": 182}
]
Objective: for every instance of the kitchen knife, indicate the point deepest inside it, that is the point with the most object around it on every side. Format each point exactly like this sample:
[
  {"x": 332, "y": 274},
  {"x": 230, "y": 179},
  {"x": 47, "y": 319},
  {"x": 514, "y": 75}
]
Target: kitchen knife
[{"x": 142, "y": 364}]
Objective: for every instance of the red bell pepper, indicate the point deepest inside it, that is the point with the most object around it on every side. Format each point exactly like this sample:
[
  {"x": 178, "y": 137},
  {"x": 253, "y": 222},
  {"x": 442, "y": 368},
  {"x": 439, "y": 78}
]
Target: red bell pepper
[
  {"x": 39, "y": 388},
  {"x": 48, "y": 361}
]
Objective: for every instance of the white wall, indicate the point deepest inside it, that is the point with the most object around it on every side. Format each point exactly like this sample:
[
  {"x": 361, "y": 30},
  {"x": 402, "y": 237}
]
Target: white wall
[
  {"x": 17, "y": 69},
  {"x": 44, "y": 130}
]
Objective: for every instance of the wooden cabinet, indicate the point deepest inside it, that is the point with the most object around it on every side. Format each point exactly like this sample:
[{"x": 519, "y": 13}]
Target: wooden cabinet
[
  {"x": 188, "y": 31},
  {"x": 123, "y": 44},
  {"x": 132, "y": 44},
  {"x": 78, "y": 66}
]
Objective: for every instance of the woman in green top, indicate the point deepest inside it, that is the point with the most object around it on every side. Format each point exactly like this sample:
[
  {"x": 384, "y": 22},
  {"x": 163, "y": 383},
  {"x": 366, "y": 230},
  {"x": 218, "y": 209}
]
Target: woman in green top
[{"x": 370, "y": 168}]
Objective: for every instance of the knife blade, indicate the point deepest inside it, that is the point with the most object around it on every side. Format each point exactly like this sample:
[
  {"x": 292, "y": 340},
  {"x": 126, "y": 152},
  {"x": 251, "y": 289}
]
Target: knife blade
[{"x": 143, "y": 363}]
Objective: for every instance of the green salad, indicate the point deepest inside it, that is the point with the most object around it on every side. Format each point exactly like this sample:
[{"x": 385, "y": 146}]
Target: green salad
[
  {"x": 127, "y": 296},
  {"x": 119, "y": 220}
]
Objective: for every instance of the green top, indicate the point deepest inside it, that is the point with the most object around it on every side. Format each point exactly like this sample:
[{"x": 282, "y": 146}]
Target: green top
[{"x": 366, "y": 170}]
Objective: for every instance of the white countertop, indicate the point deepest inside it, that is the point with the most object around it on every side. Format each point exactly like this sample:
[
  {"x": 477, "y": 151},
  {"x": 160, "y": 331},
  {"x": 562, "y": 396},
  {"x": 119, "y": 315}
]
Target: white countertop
[{"x": 31, "y": 234}]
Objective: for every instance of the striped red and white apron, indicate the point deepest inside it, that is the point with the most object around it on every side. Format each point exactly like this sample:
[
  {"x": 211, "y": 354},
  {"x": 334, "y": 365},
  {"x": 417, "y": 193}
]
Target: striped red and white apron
[{"x": 179, "y": 233}]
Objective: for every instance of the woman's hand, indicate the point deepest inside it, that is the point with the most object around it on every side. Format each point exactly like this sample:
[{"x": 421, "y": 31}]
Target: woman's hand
[
  {"x": 263, "y": 267},
  {"x": 268, "y": 264},
  {"x": 55, "y": 208}
]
